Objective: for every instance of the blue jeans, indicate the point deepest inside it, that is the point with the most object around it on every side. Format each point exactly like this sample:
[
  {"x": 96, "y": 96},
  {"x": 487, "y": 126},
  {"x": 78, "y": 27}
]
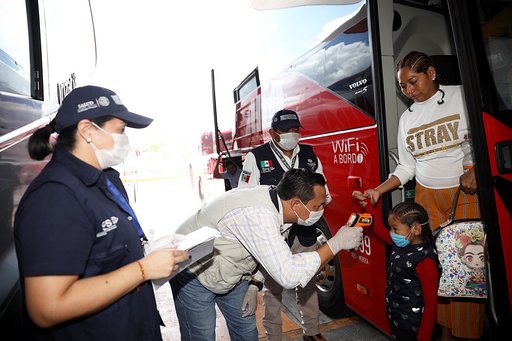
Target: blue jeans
[{"x": 195, "y": 307}]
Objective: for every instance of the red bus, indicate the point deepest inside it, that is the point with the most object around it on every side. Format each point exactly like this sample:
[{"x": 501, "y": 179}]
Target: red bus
[
  {"x": 208, "y": 145},
  {"x": 201, "y": 172},
  {"x": 346, "y": 94}
]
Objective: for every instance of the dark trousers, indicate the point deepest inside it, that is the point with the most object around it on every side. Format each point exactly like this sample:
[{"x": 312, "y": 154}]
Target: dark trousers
[{"x": 404, "y": 335}]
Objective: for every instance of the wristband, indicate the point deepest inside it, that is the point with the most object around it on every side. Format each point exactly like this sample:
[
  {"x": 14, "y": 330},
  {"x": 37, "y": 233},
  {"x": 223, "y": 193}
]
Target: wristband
[
  {"x": 142, "y": 271},
  {"x": 258, "y": 284}
]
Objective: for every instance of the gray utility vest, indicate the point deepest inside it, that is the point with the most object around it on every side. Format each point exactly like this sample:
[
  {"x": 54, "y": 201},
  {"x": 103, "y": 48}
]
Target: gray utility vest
[{"x": 230, "y": 262}]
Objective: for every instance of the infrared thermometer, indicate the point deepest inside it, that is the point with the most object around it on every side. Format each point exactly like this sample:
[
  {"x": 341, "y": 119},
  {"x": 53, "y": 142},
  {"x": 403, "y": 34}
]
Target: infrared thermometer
[{"x": 360, "y": 219}]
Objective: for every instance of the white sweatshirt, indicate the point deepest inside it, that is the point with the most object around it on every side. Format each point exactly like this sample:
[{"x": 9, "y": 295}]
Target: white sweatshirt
[{"x": 430, "y": 140}]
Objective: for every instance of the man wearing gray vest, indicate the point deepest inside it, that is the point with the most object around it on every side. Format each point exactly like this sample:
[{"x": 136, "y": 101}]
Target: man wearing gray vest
[
  {"x": 265, "y": 165},
  {"x": 251, "y": 222}
]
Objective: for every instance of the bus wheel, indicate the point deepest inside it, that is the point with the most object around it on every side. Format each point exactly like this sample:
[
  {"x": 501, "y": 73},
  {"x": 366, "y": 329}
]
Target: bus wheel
[{"x": 328, "y": 284}]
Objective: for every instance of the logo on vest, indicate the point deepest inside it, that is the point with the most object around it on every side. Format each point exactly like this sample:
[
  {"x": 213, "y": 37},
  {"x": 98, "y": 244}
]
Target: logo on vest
[
  {"x": 266, "y": 166},
  {"x": 311, "y": 164},
  {"x": 108, "y": 225}
]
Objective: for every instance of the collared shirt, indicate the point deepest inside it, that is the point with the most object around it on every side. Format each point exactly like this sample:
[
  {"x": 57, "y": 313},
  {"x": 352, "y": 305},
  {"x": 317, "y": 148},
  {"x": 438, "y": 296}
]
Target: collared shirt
[
  {"x": 267, "y": 245},
  {"x": 68, "y": 224},
  {"x": 251, "y": 174},
  {"x": 252, "y": 170}
]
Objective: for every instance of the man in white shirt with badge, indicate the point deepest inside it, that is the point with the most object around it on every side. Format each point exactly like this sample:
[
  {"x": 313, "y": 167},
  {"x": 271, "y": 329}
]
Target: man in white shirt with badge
[{"x": 266, "y": 165}]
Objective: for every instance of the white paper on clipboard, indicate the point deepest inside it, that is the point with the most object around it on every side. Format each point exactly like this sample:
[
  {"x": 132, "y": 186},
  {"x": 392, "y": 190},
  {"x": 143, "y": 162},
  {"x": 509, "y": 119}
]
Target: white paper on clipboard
[{"x": 198, "y": 244}]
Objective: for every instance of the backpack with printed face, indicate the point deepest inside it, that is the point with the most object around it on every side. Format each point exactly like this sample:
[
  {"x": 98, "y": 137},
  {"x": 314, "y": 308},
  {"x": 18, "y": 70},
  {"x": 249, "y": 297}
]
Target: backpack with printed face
[{"x": 461, "y": 249}]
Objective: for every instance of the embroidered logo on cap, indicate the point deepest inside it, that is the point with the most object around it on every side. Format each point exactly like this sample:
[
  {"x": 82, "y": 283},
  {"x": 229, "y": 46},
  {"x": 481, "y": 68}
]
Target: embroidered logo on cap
[
  {"x": 289, "y": 117},
  {"x": 116, "y": 100},
  {"x": 103, "y": 101},
  {"x": 81, "y": 107}
]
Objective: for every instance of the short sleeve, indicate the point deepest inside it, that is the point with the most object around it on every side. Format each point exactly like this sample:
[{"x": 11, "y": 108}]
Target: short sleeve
[{"x": 53, "y": 234}]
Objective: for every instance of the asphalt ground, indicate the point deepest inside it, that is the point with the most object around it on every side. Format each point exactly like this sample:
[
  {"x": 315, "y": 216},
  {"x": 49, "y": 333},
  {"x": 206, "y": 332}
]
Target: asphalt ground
[{"x": 348, "y": 328}]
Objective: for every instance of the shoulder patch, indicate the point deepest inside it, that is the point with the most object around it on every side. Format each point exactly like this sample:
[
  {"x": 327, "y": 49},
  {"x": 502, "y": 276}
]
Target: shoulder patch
[{"x": 246, "y": 175}]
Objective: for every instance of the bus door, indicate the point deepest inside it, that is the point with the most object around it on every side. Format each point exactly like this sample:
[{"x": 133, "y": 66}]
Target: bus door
[
  {"x": 331, "y": 88},
  {"x": 470, "y": 43},
  {"x": 247, "y": 98},
  {"x": 484, "y": 47},
  {"x": 363, "y": 155}
]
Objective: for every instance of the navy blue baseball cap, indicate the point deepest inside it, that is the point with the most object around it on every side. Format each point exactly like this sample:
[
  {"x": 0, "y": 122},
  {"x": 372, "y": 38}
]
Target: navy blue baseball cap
[
  {"x": 285, "y": 119},
  {"x": 90, "y": 102}
]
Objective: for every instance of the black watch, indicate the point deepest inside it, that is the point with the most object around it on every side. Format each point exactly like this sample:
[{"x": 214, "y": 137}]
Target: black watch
[{"x": 258, "y": 284}]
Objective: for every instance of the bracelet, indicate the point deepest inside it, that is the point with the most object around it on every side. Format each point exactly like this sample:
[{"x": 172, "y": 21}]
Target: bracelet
[
  {"x": 142, "y": 271},
  {"x": 256, "y": 283}
]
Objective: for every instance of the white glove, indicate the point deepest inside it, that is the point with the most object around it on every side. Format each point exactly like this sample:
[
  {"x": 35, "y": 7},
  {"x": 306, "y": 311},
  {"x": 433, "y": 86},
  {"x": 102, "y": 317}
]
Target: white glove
[
  {"x": 250, "y": 301},
  {"x": 345, "y": 239}
]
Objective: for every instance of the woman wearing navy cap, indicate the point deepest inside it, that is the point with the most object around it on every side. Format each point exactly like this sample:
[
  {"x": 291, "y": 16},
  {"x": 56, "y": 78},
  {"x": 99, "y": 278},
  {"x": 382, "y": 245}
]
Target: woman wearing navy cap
[{"x": 79, "y": 245}]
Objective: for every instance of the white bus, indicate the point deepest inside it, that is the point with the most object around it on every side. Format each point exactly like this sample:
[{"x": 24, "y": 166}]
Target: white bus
[{"x": 47, "y": 48}]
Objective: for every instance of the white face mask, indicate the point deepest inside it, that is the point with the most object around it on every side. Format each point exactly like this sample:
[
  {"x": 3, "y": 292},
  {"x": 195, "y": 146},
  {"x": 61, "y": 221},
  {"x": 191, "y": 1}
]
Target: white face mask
[
  {"x": 111, "y": 157},
  {"x": 313, "y": 217},
  {"x": 288, "y": 141}
]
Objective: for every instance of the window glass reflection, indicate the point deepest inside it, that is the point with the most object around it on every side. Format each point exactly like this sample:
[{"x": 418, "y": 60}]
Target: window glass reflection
[
  {"x": 14, "y": 48},
  {"x": 497, "y": 32}
]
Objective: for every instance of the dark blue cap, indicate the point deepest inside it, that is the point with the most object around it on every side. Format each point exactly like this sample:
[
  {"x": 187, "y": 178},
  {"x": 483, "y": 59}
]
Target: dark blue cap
[
  {"x": 285, "y": 119},
  {"x": 90, "y": 102}
]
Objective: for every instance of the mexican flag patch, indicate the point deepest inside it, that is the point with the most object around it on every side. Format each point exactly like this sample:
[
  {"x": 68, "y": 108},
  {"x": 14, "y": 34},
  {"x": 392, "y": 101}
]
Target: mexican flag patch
[{"x": 266, "y": 163}]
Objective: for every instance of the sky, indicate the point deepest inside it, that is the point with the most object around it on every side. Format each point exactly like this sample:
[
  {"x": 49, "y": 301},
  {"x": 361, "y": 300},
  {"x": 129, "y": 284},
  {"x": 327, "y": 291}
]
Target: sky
[{"x": 157, "y": 55}]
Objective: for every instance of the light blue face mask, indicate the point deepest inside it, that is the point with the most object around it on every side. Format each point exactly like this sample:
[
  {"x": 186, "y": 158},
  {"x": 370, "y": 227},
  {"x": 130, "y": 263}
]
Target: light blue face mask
[{"x": 399, "y": 240}]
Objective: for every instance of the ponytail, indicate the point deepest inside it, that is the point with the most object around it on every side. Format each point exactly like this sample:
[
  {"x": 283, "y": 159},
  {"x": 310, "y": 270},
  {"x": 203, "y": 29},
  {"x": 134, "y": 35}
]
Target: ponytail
[
  {"x": 40, "y": 146},
  {"x": 39, "y": 143}
]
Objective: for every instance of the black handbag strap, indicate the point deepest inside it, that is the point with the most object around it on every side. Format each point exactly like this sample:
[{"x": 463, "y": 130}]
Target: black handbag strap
[{"x": 451, "y": 217}]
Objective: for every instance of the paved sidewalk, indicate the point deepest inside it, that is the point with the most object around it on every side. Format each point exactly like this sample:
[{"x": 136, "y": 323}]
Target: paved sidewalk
[{"x": 350, "y": 328}]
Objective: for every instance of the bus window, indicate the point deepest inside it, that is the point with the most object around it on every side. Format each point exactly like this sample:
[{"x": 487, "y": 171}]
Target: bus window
[
  {"x": 71, "y": 46},
  {"x": 246, "y": 88},
  {"x": 14, "y": 53},
  {"x": 497, "y": 33},
  {"x": 343, "y": 63}
]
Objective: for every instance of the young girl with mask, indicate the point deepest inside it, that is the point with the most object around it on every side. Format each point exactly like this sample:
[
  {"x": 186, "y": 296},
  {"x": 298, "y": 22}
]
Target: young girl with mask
[
  {"x": 434, "y": 148},
  {"x": 79, "y": 244},
  {"x": 413, "y": 273}
]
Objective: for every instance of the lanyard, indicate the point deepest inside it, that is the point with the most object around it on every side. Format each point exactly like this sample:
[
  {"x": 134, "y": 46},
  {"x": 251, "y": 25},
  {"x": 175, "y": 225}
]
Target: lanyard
[
  {"x": 281, "y": 157},
  {"x": 121, "y": 200}
]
